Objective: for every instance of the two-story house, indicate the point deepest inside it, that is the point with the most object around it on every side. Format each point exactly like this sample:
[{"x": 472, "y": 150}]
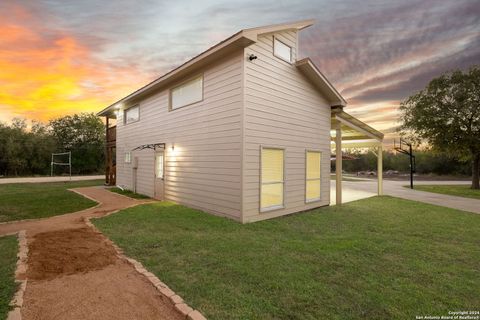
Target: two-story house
[{"x": 242, "y": 130}]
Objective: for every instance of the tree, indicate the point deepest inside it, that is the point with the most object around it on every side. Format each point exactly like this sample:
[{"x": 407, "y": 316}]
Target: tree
[
  {"x": 446, "y": 114},
  {"x": 84, "y": 135},
  {"x": 15, "y": 143},
  {"x": 23, "y": 151},
  {"x": 40, "y": 145}
]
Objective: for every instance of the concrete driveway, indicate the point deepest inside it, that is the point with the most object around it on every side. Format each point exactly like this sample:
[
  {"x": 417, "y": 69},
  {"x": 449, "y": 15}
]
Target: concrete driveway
[
  {"x": 355, "y": 190},
  {"x": 49, "y": 179}
]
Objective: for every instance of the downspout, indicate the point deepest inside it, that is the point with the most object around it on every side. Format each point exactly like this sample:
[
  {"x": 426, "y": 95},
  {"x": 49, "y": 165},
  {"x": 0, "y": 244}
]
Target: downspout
[
  {"x": 107, "y": 161},
  {"x": 134, "y": 174}
]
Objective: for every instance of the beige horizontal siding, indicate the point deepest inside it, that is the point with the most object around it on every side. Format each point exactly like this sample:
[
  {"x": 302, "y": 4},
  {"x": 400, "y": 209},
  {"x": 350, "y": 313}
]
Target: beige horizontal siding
[
  {"x": 205, "y": 171},
  {"x": 216, "y": 168},
  {"x": 282, "y": 109}
]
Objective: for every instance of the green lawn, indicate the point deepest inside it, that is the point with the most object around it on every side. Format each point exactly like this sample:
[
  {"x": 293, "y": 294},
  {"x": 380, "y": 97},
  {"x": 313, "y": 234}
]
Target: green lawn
[
  {"x": 129, "y": 193},
  {"x": 378, "y": 258},
  {"x": 8, "y": 261},
  {"x": 453, "y": 190},
  {"x": 38, "y": 200}
]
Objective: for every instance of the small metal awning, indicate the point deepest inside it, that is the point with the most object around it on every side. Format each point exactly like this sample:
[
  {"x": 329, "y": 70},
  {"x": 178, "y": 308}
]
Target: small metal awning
[{"x": 152, "y": 146}]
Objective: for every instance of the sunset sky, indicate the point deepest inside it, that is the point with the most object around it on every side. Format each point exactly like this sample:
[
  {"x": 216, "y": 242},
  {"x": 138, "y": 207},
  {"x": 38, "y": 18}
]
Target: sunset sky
[{"x": 63, "y": 57}]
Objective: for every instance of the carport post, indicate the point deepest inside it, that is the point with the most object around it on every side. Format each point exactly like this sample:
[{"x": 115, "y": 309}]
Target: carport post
[
  {"x": 338, "y": 164},
  {"x": 380, "y": 169}
]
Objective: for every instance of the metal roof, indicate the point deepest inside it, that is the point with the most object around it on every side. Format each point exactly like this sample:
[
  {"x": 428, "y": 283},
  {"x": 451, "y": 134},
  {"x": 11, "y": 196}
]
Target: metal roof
[{"x": 355, "y": 133}]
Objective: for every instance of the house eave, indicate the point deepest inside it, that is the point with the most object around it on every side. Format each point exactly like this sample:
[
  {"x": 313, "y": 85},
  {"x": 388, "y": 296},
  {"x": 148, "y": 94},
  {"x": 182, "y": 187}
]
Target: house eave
[
  {"x": 226, "y": 47},
  {"x": 239, "y": 40},
  {"x": 308, "y": 68},
  {"x": 297, "y": 25}
]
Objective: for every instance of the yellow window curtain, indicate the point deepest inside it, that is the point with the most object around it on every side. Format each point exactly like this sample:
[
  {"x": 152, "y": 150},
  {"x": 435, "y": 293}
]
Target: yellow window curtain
[
  {"x": 312, "y": 183},
  {"x": 272, "y": 178}
]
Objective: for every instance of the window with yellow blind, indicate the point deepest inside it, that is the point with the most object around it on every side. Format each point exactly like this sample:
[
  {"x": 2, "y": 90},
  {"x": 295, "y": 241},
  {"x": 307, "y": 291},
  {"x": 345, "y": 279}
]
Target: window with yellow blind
[
  {"x": 272, "y": 179},
  {"x": 312, "y": 175}
]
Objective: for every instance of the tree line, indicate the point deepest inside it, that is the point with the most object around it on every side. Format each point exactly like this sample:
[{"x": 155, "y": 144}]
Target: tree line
[
  {"x": 445, "y": 115},
  {"x": 427, "y": 162},
  {"x": 27, "y": 151}
]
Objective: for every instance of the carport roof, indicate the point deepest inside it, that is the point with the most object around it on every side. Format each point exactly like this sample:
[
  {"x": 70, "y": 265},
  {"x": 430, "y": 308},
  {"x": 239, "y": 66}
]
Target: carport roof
[{"x": 355, "y": 133}]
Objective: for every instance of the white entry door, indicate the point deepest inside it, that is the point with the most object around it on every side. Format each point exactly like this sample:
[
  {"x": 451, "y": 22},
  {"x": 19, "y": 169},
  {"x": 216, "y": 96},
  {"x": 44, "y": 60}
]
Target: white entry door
[{"x": 159, "y": 174}]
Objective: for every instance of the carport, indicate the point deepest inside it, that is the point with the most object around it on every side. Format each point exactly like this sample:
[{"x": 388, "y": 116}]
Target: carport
[{"x": 348, "y": 132}]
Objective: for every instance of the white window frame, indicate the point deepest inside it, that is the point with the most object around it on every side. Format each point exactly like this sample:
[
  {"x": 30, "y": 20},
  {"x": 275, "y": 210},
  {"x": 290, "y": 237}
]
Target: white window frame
[
  {"x": 170, "y": 100},
  {"x": 125, "y": 118},
  {"x": 128, "y": 157},
  {"x": 319, "y": 179},
  {"x": 276, "y": 207},
  {"x": 161, "y": 167},
  {"x": 275, "y": 39}
]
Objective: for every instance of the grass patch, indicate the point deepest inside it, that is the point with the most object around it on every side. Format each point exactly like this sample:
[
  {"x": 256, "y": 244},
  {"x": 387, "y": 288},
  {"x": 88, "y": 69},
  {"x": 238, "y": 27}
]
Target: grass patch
[
  {"x": 8, "y": 262},
  {"x": 452, "y": 190},
  {"x": 39, "y": 200},
  {"x": 129, "y": 193},
  {"x": 377, "y": 258}
]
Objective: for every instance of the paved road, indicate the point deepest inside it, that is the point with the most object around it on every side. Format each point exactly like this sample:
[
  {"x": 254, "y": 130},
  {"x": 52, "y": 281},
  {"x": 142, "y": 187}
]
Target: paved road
[
  {"x": 364, "y": 189},
  {"x": 48, "y": 179}
]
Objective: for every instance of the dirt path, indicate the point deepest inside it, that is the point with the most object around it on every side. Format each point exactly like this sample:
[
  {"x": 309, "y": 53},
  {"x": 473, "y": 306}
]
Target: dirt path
[
  {"x": 109, "y": 202},
  {"x": 73, "y": 273}
]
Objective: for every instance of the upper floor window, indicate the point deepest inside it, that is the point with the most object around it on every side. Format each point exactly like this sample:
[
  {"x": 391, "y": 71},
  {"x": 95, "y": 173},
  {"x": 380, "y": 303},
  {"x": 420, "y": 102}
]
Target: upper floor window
[
  {"x": 187, "y": 93},
  {"x": 132, "y": 114},
  {"x": 281, "y": 50}
]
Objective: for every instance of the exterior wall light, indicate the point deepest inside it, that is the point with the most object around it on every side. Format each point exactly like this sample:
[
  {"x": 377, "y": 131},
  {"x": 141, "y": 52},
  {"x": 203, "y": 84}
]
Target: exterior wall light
[
  {"x": 173, "y": 151},
  {"x": 118, "y": 109}
]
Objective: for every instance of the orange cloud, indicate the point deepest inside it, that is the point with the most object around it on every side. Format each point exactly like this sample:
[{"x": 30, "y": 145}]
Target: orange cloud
[{"x": 44, "y": 76}]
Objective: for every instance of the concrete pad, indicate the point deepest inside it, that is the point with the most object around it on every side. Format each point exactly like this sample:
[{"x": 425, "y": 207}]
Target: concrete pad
[{"x": 363, "y": 189}]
